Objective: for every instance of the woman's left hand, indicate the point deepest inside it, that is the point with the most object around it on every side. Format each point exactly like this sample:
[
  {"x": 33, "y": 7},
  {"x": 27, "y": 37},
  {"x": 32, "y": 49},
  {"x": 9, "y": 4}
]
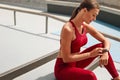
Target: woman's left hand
[{"x": 104, "y": 59}]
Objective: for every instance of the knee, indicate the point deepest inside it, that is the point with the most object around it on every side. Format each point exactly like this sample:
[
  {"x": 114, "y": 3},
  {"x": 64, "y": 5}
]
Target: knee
[
  {"x": 99, "y": 45},
  {"x": 91, "y": 76}
]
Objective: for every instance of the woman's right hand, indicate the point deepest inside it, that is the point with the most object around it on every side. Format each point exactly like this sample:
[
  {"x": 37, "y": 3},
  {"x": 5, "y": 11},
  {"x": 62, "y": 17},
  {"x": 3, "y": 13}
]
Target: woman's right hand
[{"x": 96, "y": 52}]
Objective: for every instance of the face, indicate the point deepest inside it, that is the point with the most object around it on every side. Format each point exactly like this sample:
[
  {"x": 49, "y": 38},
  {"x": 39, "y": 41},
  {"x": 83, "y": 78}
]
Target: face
[{"x": 91, "y": 15}]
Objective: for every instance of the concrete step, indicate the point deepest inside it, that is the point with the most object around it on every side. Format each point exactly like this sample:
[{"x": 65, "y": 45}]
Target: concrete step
[{"x": 45, "y": 72}]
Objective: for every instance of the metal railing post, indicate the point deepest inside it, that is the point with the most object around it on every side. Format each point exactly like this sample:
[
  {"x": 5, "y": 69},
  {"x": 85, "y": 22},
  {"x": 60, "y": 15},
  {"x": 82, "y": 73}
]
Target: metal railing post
[
  {"x": 46, "y": 28},
  {"x": 14, "y": 17}
]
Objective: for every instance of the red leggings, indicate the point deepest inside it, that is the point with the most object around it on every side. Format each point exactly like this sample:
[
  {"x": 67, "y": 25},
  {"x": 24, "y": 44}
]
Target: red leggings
[{"x": 75, "y": 71}]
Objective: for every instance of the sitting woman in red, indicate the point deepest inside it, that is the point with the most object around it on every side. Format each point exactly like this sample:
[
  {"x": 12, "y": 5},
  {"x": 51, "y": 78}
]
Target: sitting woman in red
[{"x": 70, "y": 62}]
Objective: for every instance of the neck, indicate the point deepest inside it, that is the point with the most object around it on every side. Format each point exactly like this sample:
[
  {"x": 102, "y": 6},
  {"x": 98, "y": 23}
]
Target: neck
[{"x": 78, "y": 20}]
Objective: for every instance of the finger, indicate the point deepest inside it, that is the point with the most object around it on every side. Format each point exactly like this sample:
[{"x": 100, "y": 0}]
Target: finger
[
  {"x": 106, "y": 62},
  {"x": 100, "y": 50},
  {"x": 103, "y": 62},
  {"x": 100, "y": 64},
  {"x": 100, "y": 54}
]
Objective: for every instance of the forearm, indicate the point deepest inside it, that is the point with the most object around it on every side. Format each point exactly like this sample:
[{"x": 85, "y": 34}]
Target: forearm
[
  {"x": 77, "y": 57},
  {"x": 106, "y": 44},
  {"x": 82, "y": 56}
]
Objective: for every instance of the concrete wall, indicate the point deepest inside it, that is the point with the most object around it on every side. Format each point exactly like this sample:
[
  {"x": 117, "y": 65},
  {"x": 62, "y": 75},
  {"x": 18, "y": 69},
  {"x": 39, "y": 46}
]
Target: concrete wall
[
  {"x": 41, "y": 4},
  {"x": 35, "y": 4},
  {"x": 107, "y": 14},
  {"x": 110, "y": 3}
]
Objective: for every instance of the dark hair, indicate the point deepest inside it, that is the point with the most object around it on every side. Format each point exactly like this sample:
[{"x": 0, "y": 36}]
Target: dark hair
[{"x": 88, "y": 4}]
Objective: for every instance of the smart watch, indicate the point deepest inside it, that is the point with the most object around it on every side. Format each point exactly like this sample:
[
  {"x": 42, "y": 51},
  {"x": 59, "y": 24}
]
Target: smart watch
[{"x": 105, "y": 50}]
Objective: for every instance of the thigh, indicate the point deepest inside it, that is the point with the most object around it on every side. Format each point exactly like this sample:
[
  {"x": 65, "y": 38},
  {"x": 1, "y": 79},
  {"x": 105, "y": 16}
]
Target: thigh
[
  {"x": 86, "y": 62},
  {"x": 74, "y": 73}
]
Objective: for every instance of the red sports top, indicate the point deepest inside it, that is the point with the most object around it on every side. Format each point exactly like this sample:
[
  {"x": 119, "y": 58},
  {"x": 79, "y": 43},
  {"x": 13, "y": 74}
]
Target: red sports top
[{"x": 81, "y": 39}]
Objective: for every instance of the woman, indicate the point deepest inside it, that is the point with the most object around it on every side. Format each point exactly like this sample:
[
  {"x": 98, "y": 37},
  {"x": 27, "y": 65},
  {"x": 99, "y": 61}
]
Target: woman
[{"x": 71, "y": 61}]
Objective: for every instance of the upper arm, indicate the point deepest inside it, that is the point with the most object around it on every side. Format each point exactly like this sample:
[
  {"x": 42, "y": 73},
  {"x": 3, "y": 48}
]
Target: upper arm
[
  {"x": 66, "y": 38},
  {"x": 95, "y": 33}
]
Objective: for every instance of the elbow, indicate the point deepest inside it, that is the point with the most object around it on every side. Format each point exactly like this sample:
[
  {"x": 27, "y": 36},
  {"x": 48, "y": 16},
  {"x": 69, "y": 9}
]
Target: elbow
[
  {"x": 67, "y": 59},
  {"x": 107, "y": 41}
]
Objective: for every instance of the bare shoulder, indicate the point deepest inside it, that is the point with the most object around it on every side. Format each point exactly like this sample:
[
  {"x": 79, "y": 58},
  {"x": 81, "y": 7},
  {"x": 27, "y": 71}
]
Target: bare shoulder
[{"x": 67, "y": 28}]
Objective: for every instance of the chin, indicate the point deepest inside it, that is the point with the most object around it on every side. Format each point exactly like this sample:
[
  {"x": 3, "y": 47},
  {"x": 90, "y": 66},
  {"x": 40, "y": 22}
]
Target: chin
[{"x": 88, "y": 22}]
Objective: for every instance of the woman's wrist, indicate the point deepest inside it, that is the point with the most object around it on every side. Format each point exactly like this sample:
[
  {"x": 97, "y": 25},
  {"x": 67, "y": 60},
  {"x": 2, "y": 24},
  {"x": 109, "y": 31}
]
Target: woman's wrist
[
  {"x": 88, "y": 54},
  {"x": 105, "y": 50}
]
